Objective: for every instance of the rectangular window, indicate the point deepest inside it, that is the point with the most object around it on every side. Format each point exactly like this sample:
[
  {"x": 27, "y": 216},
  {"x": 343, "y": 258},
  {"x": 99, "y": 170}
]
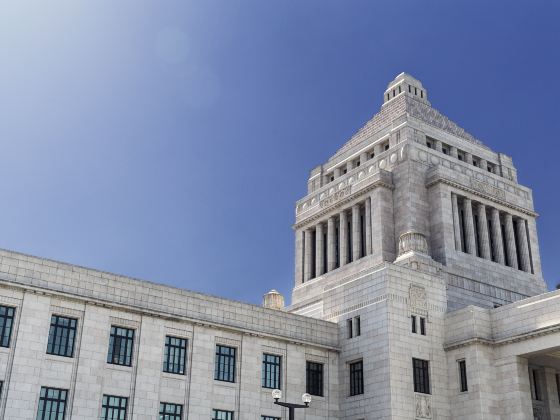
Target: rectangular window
[
  {"x": 2, "y": 387},
  {"x": 52, "y": 404},
  {"x": 114, "y": 408},
  {"x": 6, "y": 323},
  {"x": 413, "y": 319},
  {"x": 62, "y": 335},
  {"x": 314, "y": 378},
  {"x": 349, "y": 328},
  {"x": 464, "y": 387},
  {"x": 356, "y": 378},
  {"x": 168, "y": 411},
  {"x": 422, "y": 326},
  {"x": 421, "y": 369},
  {"x": 225, "y": 364},
  {"x": 557, "y": 386},
  {"x": 271, "y": 368},
  {"x": 357, "y": 326},
  {"x": 536, "y": 385},
  {"x": 222, "y": 415},
  {"x": 175, "y": 355},
  {"x": 121, "y": 343}
]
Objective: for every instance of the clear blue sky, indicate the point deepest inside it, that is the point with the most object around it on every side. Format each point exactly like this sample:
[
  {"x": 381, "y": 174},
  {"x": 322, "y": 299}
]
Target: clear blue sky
[{"x": 168, "y": 140}]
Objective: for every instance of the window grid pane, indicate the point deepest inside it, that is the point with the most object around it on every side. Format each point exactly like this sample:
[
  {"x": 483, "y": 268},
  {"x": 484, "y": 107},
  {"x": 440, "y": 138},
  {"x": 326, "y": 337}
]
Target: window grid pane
[
  {"x": 52, "y": 404},
  {"x": 356, "y": 378},
  {"x": 222, "y": 415},
  {"x": 175, "y": 355},
  {"x": 169, "y": 411},
  {"x": 421, "y": 371},
  {"x": 114, "y": 408},
  {"x": 120, "y": 346},
  {"x": 6, "y": 323},
  {"x": 272, "y": 365},
  {"x": 62, "y": 335},
  {"x": 314, "y": 379},
  {"x": 225, "y": 364}
]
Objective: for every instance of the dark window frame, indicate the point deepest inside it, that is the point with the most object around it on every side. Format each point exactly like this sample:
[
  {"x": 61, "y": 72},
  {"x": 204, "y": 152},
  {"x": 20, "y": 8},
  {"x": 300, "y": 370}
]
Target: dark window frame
[
  {"x": 357, "y": 326},
  {"x": 314, "y": 378},
  {"x": 51, "y": 406},
  {"x": 356, "y": 377},
  {"x": 62, "y": 336},
  {"x": 7, "y": 316},
  {"x": 413, "y": 322},
  {"x": 222, "y": 414},
  {"x": 121, "y": 346},
  {"x": 271, "y": 377},
  {"x": 175, "y": 355},
  {"x": 463, "y": 383},
  {"x": 170, "y": 411},
  {"x": 108, "y": 407},
  {"x": 224, "y": 364},
  {"x": 421, "y": 376},
  {"x": 422, "y": 325}
]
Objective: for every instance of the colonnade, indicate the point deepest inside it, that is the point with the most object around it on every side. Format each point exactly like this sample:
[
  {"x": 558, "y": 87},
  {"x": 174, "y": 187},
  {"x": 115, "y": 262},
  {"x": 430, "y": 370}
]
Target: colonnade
[
  {"x": 341, "y": 239},
  {"x": 491, "y": 234}
]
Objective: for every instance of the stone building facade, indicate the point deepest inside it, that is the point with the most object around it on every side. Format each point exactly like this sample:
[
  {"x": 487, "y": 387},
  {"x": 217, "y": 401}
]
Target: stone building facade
[{"x": 418, "y": 295}]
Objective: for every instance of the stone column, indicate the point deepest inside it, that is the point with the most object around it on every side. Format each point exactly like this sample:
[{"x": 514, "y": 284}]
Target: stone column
[
  {"x": 343, "y": 238},
  {"x": 367, "y": 217},
  {"x": 483, "y": 232},
  {"x": 468, "y": 158},
  {"x": 336, "y": 172},
  {"x": 510, "y": 241},
  {"x": 438, "y": 146},
  {"x": 308, "y": 258},
  {"x": 523, "y": 250},
  {"x": 349, "y": 165},
  {"x": 483, "y": 164},
  {"x": 469, "y": 226},
  {"x": 356, "y": 232},
  {"x": 331, "y": 246},
  {"x": 319, "y": 243},
  {"x": 382, "y": 225},
  {"x": 515, "y": 398},
  {"x": 453, "y": 152},
  {"x": 299, "y": 257},
  {"x": 456, "y": 222},
  {"x": 363, "y": 158},
  {"x": 497, "y": 237}
]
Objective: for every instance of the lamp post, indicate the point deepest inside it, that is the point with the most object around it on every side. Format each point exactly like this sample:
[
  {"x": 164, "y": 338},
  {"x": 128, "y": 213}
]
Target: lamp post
[{"x": 306, "y": 398}]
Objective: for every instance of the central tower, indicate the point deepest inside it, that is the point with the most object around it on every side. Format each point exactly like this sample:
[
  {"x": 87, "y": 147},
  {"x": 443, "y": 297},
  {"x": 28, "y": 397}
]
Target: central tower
[{"x": 411, "y": 218}]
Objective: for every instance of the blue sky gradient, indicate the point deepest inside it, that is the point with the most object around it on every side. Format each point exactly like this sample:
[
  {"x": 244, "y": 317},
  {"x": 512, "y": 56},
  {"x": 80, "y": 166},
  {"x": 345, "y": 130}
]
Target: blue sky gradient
[{"x": 169, "y": 140}]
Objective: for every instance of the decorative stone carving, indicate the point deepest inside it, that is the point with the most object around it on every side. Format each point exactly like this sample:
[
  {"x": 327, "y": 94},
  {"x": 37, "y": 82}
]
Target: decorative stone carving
[
  {"x": 417, "y": 297},
  {"x": 423, "y": 403},
  {"x": 538, "y": 412},
  {"x": 335, "y": 197},
  {"x": 413, "y": 241},
  {"x": 487, "y": 189}
]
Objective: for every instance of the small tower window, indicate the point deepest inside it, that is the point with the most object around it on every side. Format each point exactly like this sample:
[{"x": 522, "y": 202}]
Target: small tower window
[
  {"x": 421, "y": 93},
  {"x": 444, "y": 150},
  {"x": 400, "y": 89},
  {"x": 371, "y": 155},
  {"x": 332, "y": 178},
  {"x": 416, "y": 91},
  {"x": 429, "y": 144},
  {"x": 409, "y": 89},
  {"x": 386, "y": 146},
  {"x": 388, "y": 97},
  {"x": 394, "y": 93}
]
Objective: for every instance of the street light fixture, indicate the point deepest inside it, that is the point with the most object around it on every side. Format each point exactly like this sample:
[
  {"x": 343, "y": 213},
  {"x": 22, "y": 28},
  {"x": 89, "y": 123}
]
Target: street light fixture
[{"x": 306, "y": 398}]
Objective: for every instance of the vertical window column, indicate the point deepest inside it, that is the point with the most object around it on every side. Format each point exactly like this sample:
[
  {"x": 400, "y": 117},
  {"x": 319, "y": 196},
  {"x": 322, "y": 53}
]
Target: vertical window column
[
  {"x": 497, "y": 240},
  {"x": 510, "y": 241},
  {"x": 356, "y": 232},
  {"x": 319, "y": 262},
  {"x": 343, "y": 238},
  {"x": 456, "y": 221},
  {"x": 469, "y": 226},
  {"x": 331, "y": 251},
  {"x": 523, "y": 245},
  {"x": 483, "y": 232}
]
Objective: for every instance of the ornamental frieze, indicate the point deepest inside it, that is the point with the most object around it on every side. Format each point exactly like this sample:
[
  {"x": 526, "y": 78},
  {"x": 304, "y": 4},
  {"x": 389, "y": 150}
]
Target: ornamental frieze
[{"x": 487, "y": 189}]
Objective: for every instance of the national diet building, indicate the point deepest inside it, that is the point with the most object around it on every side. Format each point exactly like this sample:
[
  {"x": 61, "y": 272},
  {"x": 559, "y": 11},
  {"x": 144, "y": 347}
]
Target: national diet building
[{"x": 418, "y": 294}]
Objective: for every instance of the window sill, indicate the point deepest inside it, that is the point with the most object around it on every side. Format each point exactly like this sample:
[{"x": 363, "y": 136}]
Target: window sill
[{"x": 121, "y": 368}]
